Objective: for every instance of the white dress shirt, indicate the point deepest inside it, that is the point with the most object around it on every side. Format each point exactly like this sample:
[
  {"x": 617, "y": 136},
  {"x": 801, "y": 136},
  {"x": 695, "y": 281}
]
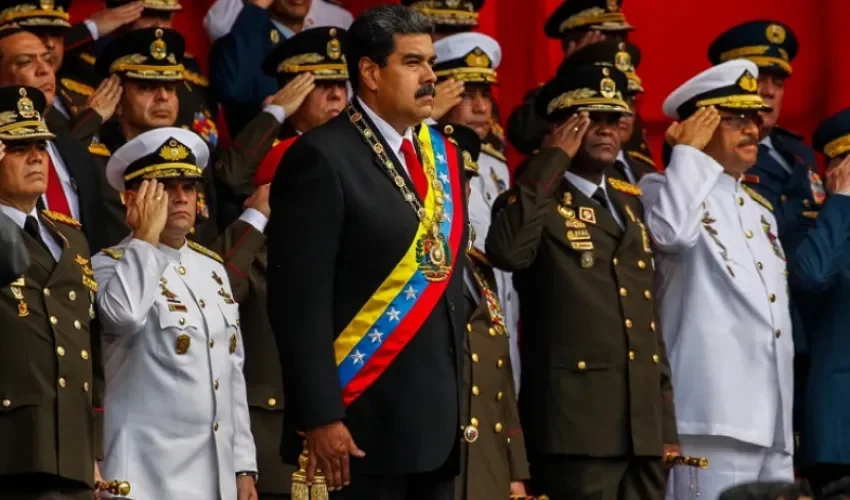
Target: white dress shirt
[
  {"x": 68, "y": 183},
  {"x": 621, "y": 157},
  {"x": 723, "y": 299},
  {"x": 391, "y": 136},
  {"x": 767, "y": 141},
  {"x": 176, "y": 409},
  {"x": 20, "y": 218},
  {"x": 588, "y": 188}
]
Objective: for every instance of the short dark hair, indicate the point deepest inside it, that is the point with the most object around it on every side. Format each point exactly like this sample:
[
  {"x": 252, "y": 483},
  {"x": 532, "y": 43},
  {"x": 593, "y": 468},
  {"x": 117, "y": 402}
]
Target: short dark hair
[{"x": 371, "y": 35}]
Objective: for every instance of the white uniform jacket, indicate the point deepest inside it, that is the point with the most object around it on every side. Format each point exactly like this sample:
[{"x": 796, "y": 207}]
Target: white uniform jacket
[
  {"x": 176, "y": 411},
  {"x": 723, "y": 295}
]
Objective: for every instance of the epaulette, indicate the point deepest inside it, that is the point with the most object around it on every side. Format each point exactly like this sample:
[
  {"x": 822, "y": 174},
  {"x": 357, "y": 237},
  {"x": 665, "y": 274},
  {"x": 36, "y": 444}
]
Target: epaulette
[
  {"x": 114, "y": 252},
  {"x": 206, "y": 251},
  {"x": 810, "y": 215},
  {"x": 752, "y": 179},
  {"x": 641, "y": 157},
  {"x": 75, "y": 86},
  {"x": 98, "y": 149},
  {"x": 761, "y": 200},
  {"x": 490, "y": 150},
  {"x": 624, "y": 187},
  {"x": 62, "y": 218},
  {"x": 88, "y": 58},
  {"x": 196, "y": 78}
]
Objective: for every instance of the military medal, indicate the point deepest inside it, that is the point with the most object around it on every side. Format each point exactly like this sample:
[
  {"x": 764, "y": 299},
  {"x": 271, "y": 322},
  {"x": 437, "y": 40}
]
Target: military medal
[
  {"x": 587, "y": 260},
  {"x": 470, "y": 434},
  {"x": 17, "y": 293},
  {"x": 183, "y": 343},
  {"x": 494, "y": 307},
  {"x": 228, "y": 299},
  {"x": 233, "y": 343},
  {"x": 587, "y": 214},
  {"x": 217, "y": 278},
  {"x": 566, "y": 212},
  {"x": 23, "y": 311},
  {"x": 578, "y": 235}
]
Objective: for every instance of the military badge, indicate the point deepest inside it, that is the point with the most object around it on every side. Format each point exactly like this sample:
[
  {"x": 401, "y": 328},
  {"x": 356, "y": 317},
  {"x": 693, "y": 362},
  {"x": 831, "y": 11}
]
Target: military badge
[
  {"x": 470, "y": 434},
  {"x": 90, "y": 283},
  {"x": 183, "y": 343},
  {"x": 776, "y": 34},
  {"x": 17, "y": 293},
  {"x": 587, "y": 260},
  {"x": 158, "y": 49},
  {"x": 228, "y": 299},
  {"x": 18, "y": 282},
  {"x": 587, "y": 214},
  {"x": 334, "y": 48},
  {"x": 566, "y": 212},
  {"x": 23, "y": 310},
  {"x": 567, "y": 199},
  {"x": 613, "y": 6},
  {"x": 177, "y": 308},
  {"x": 578, "y": 235},
  {"x": 434, "y": 258},
  {"x": 501, "y": 185},
  {"x": 217, "y": 278},
  {"x": 274, "y": 35},
  {"x": 581, "y": 245},
  {"x": 81, "y": 260},
  {"x": 233, "y": 343},
  {"x": 575, "y": 224},
  {"x": 774, "y": 241},
  {"x": 25, "y": 105},
  {"x": 818, "y": 191}
]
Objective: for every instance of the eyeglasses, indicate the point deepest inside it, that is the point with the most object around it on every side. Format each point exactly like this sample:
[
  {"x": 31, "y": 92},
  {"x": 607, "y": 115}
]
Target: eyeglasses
[{"x": 743, "y": 120}]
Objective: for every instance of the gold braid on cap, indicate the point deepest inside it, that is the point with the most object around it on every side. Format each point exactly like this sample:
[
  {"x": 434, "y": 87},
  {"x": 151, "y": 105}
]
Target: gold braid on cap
[
  {"x": 594, "y": 15},
  {"x": 837, "y": 147}
]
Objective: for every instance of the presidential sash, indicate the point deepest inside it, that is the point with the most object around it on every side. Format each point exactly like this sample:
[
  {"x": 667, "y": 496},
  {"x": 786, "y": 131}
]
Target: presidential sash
[{"x": 402, "y": 303}]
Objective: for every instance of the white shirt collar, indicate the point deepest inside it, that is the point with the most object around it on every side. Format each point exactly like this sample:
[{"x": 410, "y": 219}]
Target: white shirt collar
[
  {"x": 390, "y": 135},
  {"x": 767, "y": 141},
  {"x": 621, "y": 156},
  {"x": 286, "y": 32},
  {"x": 586, "y": 187},
  {"x": 19, "y": 217},
  {"x": 59, "y": 107},
  {"x": 173, "y": 254}
]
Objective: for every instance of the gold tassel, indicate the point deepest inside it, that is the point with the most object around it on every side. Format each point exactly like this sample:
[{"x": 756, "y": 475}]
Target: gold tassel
[
  {"x": 300, "y": 490},
  {"x": 319, "y": 490}
]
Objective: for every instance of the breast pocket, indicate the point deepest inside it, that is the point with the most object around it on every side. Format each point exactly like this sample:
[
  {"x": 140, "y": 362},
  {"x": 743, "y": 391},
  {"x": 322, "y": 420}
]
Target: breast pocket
[{"x": 181, "y": 334}]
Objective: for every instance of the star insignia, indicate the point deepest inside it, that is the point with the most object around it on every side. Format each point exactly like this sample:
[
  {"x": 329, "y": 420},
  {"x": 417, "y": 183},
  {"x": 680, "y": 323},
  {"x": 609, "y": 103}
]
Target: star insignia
[
  {"x": 376, "y": 335},
  {"x": 444, "y": 178},
  {"x": 445, "y": 217},
  {"x": 394, "y": 314},
  {"x": 410, "y": 293},
  {"x": 358, "y": 357},
  {"x": 447, "y": 197},
  {"x": 440, "y": 158}
]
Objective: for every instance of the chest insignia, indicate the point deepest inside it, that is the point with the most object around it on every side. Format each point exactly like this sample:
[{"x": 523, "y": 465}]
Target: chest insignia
[
  {"x": 23, "y": 310},
  {"x": 818, "y": 191},
  {"x": 501, "y": 185},
  {"x": 774, "y": 241},
  {"x": 587, "y": 214},
  {"x": 707, "y": 221},
  {"x": 182, "y": 344},
  {"x": 233, "y": 343},
  {"x": 624, "y": 187}
]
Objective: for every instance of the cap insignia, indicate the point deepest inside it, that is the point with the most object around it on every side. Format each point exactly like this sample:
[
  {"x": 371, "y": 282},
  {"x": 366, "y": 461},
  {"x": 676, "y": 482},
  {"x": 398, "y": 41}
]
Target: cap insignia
[
  {"x": 25, "y": 105},
  {"x": 158, "y": 48},
  {"x": 477, "y": 59},
  {"x": 623, "y": 61},
  {"x": 452, "y": 4},
  {"x": 608, "y": 88},
  {"x": 748, "y": 82},
  {"x": 174, "y": 151},
  {"x": 776, "y": 34},
  {"x": 334, "y": 48},
  {"x": 46, "y": 4}
]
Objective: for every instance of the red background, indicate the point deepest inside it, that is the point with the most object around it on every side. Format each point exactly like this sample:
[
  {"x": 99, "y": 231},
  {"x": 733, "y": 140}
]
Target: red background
[{"x": 673, "y": 37}]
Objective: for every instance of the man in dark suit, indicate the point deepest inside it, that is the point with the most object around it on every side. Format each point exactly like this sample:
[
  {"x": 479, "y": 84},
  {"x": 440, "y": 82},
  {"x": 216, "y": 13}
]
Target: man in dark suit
[
  {"x": 74, "y": 190},
  {"x": 366, "y": 277},
  {"x": 48, "y": 353},
  {"x": 596, "y": 400}
]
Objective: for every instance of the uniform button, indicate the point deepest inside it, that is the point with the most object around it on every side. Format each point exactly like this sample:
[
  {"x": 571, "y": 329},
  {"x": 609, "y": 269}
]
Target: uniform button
[
  {"x": 647, "y": 294},
  {"x": 499, "y": 396},
  {"x": 215, "y": 385},
  {"x": 500, "y": 363},
  {"x": 616, "y": 261},
  {"x": 760, "y": 266},
  {"x": 212, "y": 343},
  {"x": 85, "y": 387},
  {"x": 238, "y": 322},
  {"x": 772, "y": 297},
  {"x": 72, "y": 296},
  {"x": 748, "y": 234},
  {"x": 582, "y": 365},
  {"x": 84, "y": 355},
  {"x": 509, "y": 440},
  {"x": 451, "y": 305},
  {"x": 497, "y": 427},
  {"x": 475, "y": 390},
  {"x": 215, "y": 426},
  {"x": 473, "y": 421},
  {"x": 783, "y": 198},
  {"x": 469, "y": 327},
  {"x": 202, "y": 303},
  {"x": 60, "y": 350},
  {"x": 655, "y": 358},
  {"x": 182, "y": 321},
  {"x": 6, "y": 403},
  {"x": 807, "y": 203},
  {"x": 61, "y": 381},
  {"x": 272, "y": 402},
  {"x": 623, "y": 292},
  {"x": 652, "y": 325},
  {"x": 778, "y": 333},
  {"x": 628, "y": 323},
  {"x": 492, "y": 332},
  {"x": 632, "y": 355},
  {"x": 181, "y": 270},
  {"x": 740, "y": 201},
  {"x": 46, "y": 292},
  {"x": 642, "y": 264},
  {"x": 77, "y": 324},
  {"x": 53, "y": 320},
  {"x": 474, "y": 357}
]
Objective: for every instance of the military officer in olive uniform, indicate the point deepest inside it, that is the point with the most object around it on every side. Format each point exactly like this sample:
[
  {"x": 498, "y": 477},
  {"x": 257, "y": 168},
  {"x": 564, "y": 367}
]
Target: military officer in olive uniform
[
  {"x": 596, "y": 400},
  {"x": 786, "y": 172},
  {"x": 48, "y": 352},
  {"x": 493, "y": 460},
  {"x": 177, "y": 423}
]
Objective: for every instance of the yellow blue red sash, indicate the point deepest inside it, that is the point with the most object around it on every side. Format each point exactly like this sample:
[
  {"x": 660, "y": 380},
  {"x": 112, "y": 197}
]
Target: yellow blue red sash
[{"x": 399, "y": 307}]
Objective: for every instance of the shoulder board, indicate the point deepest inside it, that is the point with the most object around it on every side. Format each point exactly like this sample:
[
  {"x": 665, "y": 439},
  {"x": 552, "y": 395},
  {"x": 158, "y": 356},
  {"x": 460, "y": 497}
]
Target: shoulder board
[
  {"x": 196, "y": 78},
  {"x": 641, "y": 157},
  {"x": 206, "y": 251},
  {"x": 88, "y": 58},
  {"x": 62, "y": 218},
  {"x": 75, "y": 86},
  {"x": 114, "y": 252},
  {"x": 490, "y": 150},
  {"x": 624, "y": 187},
  {"x": 752, "y": 179},
  {"x": 787, "y": 133},
  {"x": 810, "y": 215},
  {"x": 99, "y": 149},
  {"x": 761, "y": 200}
]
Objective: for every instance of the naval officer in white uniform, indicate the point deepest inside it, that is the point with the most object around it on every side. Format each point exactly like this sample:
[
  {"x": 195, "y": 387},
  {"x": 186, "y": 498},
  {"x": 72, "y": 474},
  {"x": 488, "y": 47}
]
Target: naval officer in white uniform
[
  {"x": 472, "y": 58},
  {"x": 723, "y": 287},
  {"x": 176, "y": 412}
]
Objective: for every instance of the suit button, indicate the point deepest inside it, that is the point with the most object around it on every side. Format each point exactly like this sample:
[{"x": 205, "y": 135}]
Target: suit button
[
  {"x": 655, "y": 358},
  {"x": 474, "y": 357},
  {"x": 469, "y": 327},
  {"x": 641, "y": 264},
  {"x": 61, "y": 381},
  {"x": 631, "y": 355},
  {"x": 499, "y": 396},
  {"x": 215, "y": 426},
  {"x": 616, "y": 261},
  {"x": 740, "y": 201},
  {"x": 497, "y": 427},
  {"x": 647, "y": 294},
  {"x": 492, "y": 332},
  {"x": 60, "y": 350},
  {"x": 212, "y": 343},
  {"x": 475, "y": 390},
  {"x": 772, "y": 297},
  {"x": 85, "y": 387},
  {"x": 749, "y": 234},
  {"x": 182, "y": 321},
  {"x": 778, "y": 333},
  {"x": 783, "y": 198},
  {"x": 77, "y": 324},
  {"x": 53, "y": 320},
  {"x": 473, "y": 421},
  {"x": 272, "y": 402},
  {"x": 72, "y": 296},
  {"x": 652, "y": 325},
  {"x": 451, "y": 305},
  {"x": 202, "y": 303},
  {"x": 807, "y": 203},
  {"x": 6, "y": 403},
  {"x": 623, "y": 292},
  {"x": 581, "y": 365},
  {"x": 181, "y": 270},
  {"x": 46, "y": 292},
  {"x": 500, "y": 363},
  {"x": 760, "y": 266},
  {"x": 84, "y": 355},
  {"x": 215, "y": 385},
  {"x": 628, "y": 323}
]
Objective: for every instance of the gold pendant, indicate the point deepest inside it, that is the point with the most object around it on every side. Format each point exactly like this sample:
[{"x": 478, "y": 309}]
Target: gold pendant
[{"x": 23, "y": 311}]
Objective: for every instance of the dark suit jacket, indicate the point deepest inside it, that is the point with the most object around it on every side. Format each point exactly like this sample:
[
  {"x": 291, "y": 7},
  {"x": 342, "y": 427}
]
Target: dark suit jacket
[
  {"x": 339, "y": 226},
  {"x": 16, "y": 257},
  {"x": 595, "y": 376}
]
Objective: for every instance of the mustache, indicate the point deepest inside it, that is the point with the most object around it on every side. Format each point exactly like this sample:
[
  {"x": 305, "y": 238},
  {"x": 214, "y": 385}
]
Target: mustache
[
  {"x": 748, "y": 141},
  {"x": 426, "y": 90}
]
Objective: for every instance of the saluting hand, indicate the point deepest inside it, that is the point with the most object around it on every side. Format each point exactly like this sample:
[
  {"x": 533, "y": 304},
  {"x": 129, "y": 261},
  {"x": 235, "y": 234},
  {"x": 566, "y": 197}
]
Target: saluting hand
[
  {"x": 109, "y": 20},
  {"x": 259, "y": 200},
  {"x": 589, "y": 38},
  {"x": 292, "y": 95},
  {"x": 105, "y": 98},
  {"x": 696, "y": 131},
  {"x": 838, "y": 178},
  {"x": 569, "y": 135},
  {"x": 449, "y": 95},
  {"x": 147, "y": 211},
  {"x": 329, "y": 448}
]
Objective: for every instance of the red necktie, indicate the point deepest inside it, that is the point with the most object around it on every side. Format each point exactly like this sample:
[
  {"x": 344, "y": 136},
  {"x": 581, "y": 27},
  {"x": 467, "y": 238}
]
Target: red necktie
[
  {"x": 414, "y": 168},
  {"x": 56, "y": 200}
]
